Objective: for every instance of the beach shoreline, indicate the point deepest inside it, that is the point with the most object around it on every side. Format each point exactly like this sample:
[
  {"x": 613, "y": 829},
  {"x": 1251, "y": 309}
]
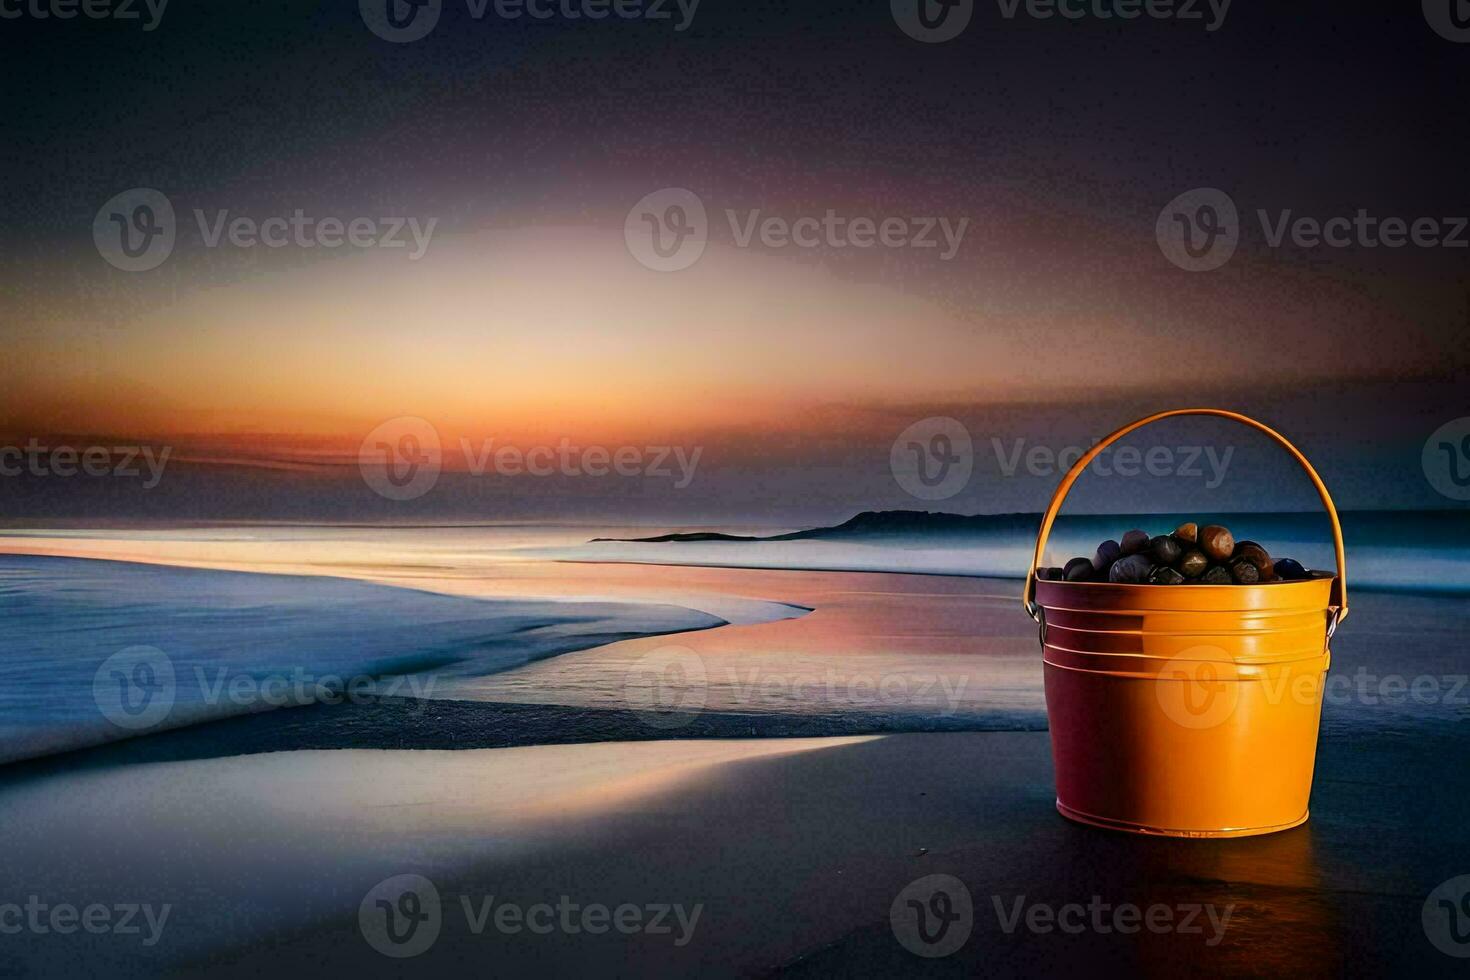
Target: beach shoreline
[{"x": 792, "y": 815}]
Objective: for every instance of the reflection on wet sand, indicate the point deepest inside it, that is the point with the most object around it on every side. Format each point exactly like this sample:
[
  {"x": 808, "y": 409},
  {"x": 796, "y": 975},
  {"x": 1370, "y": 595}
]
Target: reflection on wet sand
[{"x": 873, "y": 644}]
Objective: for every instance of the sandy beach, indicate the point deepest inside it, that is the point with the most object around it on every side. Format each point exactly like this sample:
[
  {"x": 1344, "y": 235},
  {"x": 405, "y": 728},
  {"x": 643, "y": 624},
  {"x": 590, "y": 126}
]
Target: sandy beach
[
  {"x": 795, "y": 850},
  {"x": 820, "y": 763}
]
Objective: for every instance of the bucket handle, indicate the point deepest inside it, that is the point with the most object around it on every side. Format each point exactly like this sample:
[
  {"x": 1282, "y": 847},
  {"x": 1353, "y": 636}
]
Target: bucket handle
[{"x": 1339, "y": 585}]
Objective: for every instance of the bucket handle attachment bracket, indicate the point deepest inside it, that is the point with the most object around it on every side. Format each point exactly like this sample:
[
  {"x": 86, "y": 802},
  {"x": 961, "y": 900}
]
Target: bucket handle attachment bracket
[{"x": 1338, "y": 606}]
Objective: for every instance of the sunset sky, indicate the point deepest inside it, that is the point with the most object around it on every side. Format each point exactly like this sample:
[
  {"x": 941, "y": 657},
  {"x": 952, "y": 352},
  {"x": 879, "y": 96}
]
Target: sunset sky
[{"x": 528, "y": 320}]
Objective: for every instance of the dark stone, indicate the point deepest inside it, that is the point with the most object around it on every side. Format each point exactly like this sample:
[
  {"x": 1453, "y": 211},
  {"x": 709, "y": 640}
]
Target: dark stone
[
  {"x": 1193, "y": 563},
  {"x": 1187, "y": 533},
  {"x": 1052, "y": 574},
  {"x": 1134, "y": 542},
  {"x": 1165, "y": 550},
  {"x": 1107, "y": 553},
  {"x": 1244, "y": 572},
  {"x": 1257, "y": 556},
  {"x": 1132, "y": 570},
  {"x": 1217, "y": 542},
  {"x": 1290, "y": 569},
  {"x": 1164, "y": 575},
  {"x": 1216, "y": 575},
  {"x": 1078, "y": 570}
]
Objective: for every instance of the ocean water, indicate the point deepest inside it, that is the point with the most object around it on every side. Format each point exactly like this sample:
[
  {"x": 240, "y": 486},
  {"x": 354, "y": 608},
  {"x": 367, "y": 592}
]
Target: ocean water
[
  {"x": 1409, "y": 551},
  {"x": 99, "y": 650}
]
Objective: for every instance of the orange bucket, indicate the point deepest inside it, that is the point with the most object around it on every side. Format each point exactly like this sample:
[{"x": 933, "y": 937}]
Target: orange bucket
[{"x": 1185, "y": 710}]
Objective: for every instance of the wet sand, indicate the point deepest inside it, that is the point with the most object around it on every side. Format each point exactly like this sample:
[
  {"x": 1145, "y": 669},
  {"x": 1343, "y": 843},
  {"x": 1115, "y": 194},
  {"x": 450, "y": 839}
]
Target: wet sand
[{"x": 795, "y": 849}]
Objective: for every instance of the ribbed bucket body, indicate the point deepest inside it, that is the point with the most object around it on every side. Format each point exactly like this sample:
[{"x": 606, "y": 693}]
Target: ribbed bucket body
[{"x": 1188, "y": 710}]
